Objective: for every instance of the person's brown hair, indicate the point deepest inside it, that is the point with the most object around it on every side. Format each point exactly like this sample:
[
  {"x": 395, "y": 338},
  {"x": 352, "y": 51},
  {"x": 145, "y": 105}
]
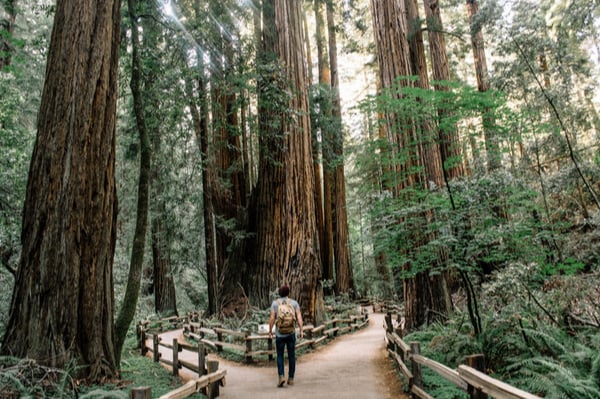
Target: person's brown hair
[{"x": 284, "y": 290}]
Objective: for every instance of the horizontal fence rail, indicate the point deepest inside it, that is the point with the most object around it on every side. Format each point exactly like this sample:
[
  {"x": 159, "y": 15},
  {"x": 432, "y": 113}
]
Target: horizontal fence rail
[
  {"x": 215, "y": 338},
  {"x": 207, "y": 384},
  {"x": 469, "y": 378},
  {"x": 248, "y": 344}
]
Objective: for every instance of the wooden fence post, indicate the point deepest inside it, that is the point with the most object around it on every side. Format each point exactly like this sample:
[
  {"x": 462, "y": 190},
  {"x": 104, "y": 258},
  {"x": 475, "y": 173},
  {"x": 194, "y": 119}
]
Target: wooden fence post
[
  {"x": 143, "y": 348},
  {"x": 155, "y": 341},
  {"x": 248, "y": 346},
  {"x": 201, "y": 360},
  {"x": 389, "y": 327},
  {"x": 212, "y": 390},
  {"x": 415, "y": 349},
  {"x": 270, "y": 348},
  {"x": 478, "y": 363},
  {"x": 141, "y": 393},
  {"x": 219, "y": 339},
  {"x": 175, "y": 357}
]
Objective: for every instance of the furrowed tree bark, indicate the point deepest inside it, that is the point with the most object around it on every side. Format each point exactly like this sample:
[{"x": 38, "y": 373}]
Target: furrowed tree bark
[
  {"x": 344, "y": 276},
  {"x": 229, "y": 189},
  {"x": 450, "y": 147},
  {"x": 400, "y": 52},
  {"x": 429, "y": 292},
  {"x": 322, "y": 126},
  {"x": 62, "y": 306},
  {"x": 287, "y": 246}
]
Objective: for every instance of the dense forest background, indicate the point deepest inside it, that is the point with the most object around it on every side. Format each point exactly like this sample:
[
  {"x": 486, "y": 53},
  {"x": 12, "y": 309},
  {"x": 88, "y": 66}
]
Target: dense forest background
[{"x": 440, "y": 155}]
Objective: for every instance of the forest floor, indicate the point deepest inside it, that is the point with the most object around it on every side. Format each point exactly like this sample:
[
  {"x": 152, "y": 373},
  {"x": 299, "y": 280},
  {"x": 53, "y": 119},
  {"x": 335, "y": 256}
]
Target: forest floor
[{"x": 354, "y": 365}]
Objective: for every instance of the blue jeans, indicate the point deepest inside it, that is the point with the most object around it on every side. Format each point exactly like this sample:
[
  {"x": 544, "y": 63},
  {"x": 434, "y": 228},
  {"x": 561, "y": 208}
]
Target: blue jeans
[{"x": 281, "y": 343}]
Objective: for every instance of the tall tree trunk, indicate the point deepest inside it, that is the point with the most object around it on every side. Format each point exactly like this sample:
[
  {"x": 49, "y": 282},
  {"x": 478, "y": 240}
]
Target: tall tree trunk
[
  {"x": 198, "y": 103},
  {"x": 200, "y": 123},
  {"x": 134, "y": 279},
  {"x": 165, "y": 298},
  {"x": 229, "y": 187},
  {"x": 393, "y": 56},
  {"x": 427, "y": 292},
  {"x": 62, "y": 306},
  {"x": 450, "y": 147},
  {"x": 492, "y": 145},
  {"x": 6, "y": 30},
  {"x": 344, "y": 276},
  {"x": 322, "y": 126},
  {"x": 400, "y": 52},
  {"x": 428, "y": 141},
  {"x": 287, "y": 247}
]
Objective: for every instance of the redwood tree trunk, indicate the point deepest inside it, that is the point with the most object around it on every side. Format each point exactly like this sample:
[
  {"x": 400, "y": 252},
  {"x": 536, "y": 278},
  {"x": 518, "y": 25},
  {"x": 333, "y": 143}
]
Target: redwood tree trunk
[
  {"x": 400, "y": 52},
  {"x": 287, "y": 246},
  {"x": 165, "y": 298},
  {"x": 450, "y": 148},
  {"x": 200, "y": 123},
  {"x": 492, "y": 146},
  {"x": 132, "y": 291},
  {"x": 344, "y": 276},
  {"x": 322, "y": 125},
  {"x": 62, "y": 306}
]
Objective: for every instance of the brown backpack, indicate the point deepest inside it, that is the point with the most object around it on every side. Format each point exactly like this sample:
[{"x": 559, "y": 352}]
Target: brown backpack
[{"x": 286, "y": 317}]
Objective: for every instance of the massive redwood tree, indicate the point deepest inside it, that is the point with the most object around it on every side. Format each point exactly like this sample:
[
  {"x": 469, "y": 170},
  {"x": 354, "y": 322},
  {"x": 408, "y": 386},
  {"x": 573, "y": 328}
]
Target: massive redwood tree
[
  {"x": 62, "y": 306},
  {"x": 283, "y": 213}
]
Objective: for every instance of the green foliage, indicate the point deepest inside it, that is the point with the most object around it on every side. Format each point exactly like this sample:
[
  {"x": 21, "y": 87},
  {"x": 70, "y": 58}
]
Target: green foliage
[
  {"x": 568, "y": 267},
  {"x": 559, "y": 366},
  {"x": 28, "y": 379}
]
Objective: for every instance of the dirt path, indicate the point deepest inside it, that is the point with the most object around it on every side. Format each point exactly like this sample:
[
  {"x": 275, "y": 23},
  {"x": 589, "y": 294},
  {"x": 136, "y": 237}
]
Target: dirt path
[{"x": 352, "y": 366}]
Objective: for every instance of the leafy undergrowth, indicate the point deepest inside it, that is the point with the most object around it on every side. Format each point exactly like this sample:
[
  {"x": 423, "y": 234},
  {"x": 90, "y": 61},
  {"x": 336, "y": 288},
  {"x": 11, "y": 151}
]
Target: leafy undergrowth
[
  {"x": 26, "y": 379},
  {"x": 541, "y": 335}
]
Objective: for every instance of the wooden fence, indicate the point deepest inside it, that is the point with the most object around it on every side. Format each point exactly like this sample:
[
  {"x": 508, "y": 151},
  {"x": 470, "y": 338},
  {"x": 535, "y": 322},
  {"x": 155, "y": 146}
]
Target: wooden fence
[
  {"x": 252, "y": 345},
  {"x": 210, "y": 377},
  {"x": 208, "y": 384},
  {"x": 217, "y": 338},
  {"x": 470, "y": 378}
]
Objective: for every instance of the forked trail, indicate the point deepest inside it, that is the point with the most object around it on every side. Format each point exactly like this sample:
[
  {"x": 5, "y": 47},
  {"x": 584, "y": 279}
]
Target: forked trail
[{"x": 352, "y": 366}]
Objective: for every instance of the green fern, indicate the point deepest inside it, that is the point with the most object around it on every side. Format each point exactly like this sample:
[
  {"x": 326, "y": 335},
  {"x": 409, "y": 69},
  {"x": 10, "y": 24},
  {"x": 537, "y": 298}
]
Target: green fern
[{"x": 561, "y": 368}]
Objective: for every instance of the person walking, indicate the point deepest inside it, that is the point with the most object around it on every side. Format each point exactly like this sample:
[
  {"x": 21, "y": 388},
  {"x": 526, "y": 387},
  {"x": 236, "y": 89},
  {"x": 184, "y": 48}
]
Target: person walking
[{"x": 285, "y": 315}]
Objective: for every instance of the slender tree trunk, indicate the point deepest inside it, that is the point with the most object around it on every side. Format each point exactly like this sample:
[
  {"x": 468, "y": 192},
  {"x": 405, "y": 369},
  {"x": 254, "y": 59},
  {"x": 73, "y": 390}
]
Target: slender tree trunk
[
  {"x": 428, "y": 141},
  {"x": 426, "y": 292},
  {"x": 322, "y": 125},
  {"x": 200, "y": 122},
  {"x": 229, "y": 186},
  {"x": 198, "y": 103},
  {"x": 344, "y": 276},
  {"x": 450, "y": 147},
  {"x": 62, "y": 306},
  {"x": 165, "y": 298},
  {"x": 393, "y": 56},
  {"x": 492, "y": 145},
  {"x": 6, "y": 30},
  {"x": 134, "y": 280}
]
